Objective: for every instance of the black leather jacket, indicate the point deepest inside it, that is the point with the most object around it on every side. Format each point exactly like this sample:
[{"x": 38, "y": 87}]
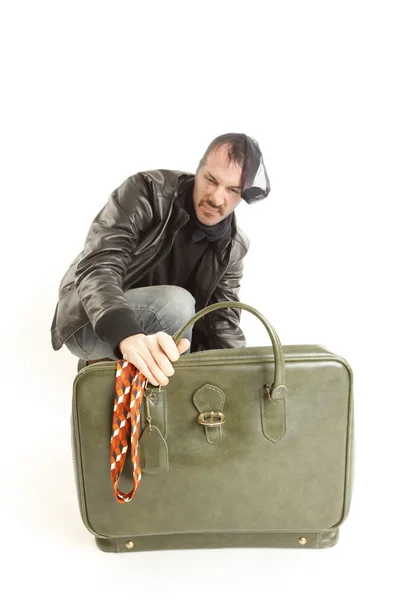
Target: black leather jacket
[{"x": 134, "y": 231}]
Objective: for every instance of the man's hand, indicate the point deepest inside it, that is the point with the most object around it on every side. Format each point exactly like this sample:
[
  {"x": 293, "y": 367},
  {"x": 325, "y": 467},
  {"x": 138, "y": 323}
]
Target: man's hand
[{"x": 153, "y": 354}]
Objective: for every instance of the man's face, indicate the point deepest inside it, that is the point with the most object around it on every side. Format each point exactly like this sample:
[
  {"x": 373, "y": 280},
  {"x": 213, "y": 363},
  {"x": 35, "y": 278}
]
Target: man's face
[{"x": 216, "y": 191}]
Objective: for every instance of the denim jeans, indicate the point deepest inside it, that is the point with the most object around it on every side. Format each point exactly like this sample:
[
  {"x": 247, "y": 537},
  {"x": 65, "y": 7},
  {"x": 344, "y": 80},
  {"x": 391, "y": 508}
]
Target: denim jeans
[{"x": 157, "y": 308}]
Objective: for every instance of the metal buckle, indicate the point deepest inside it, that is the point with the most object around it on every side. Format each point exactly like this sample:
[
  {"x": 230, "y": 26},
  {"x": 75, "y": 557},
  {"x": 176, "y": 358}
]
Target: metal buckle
[
  {"x": 151, "y": 389},
  {"x": 211, "y": 419}
]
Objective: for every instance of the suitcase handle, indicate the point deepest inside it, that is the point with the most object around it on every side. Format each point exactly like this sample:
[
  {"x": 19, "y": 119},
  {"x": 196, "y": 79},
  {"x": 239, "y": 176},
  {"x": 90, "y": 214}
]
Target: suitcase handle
[{"x": 278, "y": 388}]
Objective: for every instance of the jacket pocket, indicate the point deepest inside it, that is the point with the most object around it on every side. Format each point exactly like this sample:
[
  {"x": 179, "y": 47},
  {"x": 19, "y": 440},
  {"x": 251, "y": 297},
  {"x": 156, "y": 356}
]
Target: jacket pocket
[{"x": 67, "y": 288}]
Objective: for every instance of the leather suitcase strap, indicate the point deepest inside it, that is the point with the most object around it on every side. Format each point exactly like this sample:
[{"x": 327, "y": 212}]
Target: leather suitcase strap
[{"x": 129, "y": 391}]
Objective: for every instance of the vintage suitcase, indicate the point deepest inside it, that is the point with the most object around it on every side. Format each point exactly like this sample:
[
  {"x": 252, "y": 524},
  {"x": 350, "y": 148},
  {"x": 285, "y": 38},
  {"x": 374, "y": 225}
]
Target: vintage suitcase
[{"x": 272, "y": 467}]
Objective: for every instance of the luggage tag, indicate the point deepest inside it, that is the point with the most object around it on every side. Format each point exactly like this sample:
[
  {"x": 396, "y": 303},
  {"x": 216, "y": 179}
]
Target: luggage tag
[{"x": 153, "y": 449}]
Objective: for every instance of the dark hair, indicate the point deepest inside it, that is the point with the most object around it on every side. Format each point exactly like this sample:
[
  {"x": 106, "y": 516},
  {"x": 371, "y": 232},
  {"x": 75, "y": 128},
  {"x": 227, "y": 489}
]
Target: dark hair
[
  {"x": 236, "y": 149},
  {"x": 245, "y": 152}
]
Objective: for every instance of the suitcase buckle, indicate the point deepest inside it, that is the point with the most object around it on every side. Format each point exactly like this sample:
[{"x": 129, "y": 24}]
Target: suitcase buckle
[{"x": 211, "y": 419}]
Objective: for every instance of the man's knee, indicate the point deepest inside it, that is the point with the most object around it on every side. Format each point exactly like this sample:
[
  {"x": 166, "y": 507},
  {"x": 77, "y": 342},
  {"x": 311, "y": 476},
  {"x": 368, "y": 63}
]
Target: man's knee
[
  {"x": 162, "y": 307},
  {"x": 180, "y": 305},
  {"x": 180, "y": 301},
  {"x": 178, "y": 297}
]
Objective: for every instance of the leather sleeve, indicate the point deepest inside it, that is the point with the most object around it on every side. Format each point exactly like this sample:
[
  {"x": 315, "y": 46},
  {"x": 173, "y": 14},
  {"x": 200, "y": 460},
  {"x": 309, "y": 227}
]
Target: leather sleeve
[{"x": 112, "y": 238}]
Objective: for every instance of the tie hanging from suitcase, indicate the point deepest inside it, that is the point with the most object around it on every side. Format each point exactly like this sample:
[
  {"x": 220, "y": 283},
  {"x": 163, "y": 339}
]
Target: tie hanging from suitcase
[{"x": 129, "y": 391}]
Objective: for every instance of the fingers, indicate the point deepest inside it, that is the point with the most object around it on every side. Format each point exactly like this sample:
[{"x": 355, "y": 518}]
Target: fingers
[
  {"x": 144, "y": 361},
  {"x": 152, "y": 354},
  {"x": 183, "y": 345},
  {"x": 168, "y": 345}
]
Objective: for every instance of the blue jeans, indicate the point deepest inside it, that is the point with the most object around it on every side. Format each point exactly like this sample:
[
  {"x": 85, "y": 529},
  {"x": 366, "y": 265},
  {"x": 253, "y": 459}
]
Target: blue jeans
[{"x": 157, "y": 308}]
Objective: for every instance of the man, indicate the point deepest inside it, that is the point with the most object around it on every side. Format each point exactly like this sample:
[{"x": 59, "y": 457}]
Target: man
[{"x": 164, "y": 246}]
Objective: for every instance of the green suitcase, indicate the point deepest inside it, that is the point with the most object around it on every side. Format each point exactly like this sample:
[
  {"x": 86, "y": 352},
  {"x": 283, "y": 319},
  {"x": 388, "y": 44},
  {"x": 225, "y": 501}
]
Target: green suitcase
[{"x": 259, "y": 450}]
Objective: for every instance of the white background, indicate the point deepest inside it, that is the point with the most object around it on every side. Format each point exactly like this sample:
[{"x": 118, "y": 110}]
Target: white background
[{"x": 93, "y": 92}]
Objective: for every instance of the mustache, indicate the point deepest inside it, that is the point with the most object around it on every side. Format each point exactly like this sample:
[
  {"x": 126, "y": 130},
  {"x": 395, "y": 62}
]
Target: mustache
[{"x": 210, "y": 206}]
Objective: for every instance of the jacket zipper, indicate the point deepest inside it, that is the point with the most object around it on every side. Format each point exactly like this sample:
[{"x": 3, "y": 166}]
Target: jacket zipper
[{"x": 216, "y": 280}]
